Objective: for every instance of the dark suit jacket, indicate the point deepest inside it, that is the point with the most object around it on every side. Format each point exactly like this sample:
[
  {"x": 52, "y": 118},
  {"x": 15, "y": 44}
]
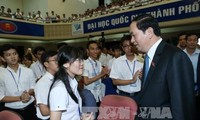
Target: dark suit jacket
[
  {"x": 169, "y": 84},
  {"x": 198, "y": 74}
]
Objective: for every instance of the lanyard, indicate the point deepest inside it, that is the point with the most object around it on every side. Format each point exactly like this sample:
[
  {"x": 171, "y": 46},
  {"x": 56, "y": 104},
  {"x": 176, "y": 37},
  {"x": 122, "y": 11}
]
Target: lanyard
[
  {"x": 79, "y": 111},
  {"x": 16, "y": 83},
  {"x": 93, "y": 67},
  {"x": 130, "y": 67},
  {"x": 40, "y": 69}
]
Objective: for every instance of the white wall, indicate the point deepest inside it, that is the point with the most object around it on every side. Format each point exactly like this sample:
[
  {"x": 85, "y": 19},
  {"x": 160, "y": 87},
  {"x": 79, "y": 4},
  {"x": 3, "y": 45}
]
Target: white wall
[
  {"x": 35, "y": 5},
  {"x": 13, "y": 4}
]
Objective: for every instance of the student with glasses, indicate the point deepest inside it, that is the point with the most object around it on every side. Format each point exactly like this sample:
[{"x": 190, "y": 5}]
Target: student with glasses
[
  {"x": 49, "y": 61},
  {"x": 64, "y": 100}
]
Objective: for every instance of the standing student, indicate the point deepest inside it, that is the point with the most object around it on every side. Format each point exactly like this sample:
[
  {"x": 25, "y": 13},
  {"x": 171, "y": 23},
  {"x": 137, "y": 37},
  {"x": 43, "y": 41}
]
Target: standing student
[
  {"x": 124, "y": 68},
  {"x": 94, "y": 72},
  {"x": 116, "y": 50},
  {"x": 16, "y": 85},
  {"x": 168, "y": 78},
  {"x": 64, "y": 99},
  {"x": 37, "y": 67},
  {"x": 49, "y": 60}
]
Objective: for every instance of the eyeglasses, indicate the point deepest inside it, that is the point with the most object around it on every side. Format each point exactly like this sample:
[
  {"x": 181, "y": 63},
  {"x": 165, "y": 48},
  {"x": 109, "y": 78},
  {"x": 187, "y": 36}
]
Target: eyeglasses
[
  {"x": 79, "y": 60},
  {"x": 127, "y": 46},
  {"x": 53, "y": 60}
]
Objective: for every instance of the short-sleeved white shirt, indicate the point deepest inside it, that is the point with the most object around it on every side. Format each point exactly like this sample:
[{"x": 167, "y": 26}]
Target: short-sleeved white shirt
[
  {"x": 42, "y": 92},
  {"x": 1, "y": 69},
  {"x": 91, "y": 69},
  {"x": 60, "y": 100},
  {"x": 110, "y": 62},
  {"x": 38, "y": 69},
  {"x": 123, "y": 69},
  {"x": 104, "y": 59},
  {"x": 14, "y": 83}
]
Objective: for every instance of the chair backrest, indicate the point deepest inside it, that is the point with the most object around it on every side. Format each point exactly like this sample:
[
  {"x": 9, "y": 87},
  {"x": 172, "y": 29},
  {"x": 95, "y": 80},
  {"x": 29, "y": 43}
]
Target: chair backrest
[
  {"x": 116, "y": 107},
  {"x": 9, "y": 115}
]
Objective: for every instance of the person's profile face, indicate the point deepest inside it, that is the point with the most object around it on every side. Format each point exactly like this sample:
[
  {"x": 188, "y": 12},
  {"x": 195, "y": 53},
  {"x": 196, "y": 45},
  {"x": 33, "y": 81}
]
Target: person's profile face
[
  {"x": 139, "y": 38},
  {"x": 75, "y": 68},
  {"x": 52, "y": 64},
  {"x": 39, "y": 54}
]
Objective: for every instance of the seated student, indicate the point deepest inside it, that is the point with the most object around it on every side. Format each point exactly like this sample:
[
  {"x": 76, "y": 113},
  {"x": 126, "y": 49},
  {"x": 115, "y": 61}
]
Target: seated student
[
  {"x": 49, "y": 60},
  {"x": 16, "y": 85},
  {"x": 64, "y": 99}
]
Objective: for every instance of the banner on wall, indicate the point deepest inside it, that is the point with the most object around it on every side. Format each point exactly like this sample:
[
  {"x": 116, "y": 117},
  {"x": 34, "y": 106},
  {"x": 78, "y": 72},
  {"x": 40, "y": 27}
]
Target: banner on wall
[
  {"x": 167, "y": 12},
  {"x": 21, "y": 28},
  {"x": 77, "y": 28}
]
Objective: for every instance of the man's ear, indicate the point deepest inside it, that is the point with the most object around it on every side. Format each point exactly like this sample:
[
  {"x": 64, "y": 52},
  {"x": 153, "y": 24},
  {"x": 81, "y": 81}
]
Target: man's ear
[
  {"x": 66, "y": 65},
  {"x": 46, "y": 64},
  {"x": 150, "y": 32}
]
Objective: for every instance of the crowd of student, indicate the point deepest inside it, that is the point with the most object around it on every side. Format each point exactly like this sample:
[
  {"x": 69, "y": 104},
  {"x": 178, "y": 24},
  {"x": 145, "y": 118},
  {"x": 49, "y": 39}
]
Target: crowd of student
[
  {"x": 49, "y": 83},
  {"x": 54, "y": 18}
]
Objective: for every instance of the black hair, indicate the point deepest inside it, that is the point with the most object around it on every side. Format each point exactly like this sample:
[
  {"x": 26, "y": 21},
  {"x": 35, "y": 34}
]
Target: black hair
[
  {"x": 67, "y": 54},
  {"x": 61, "y": 45},
  {"x": 183, "y": 33},
  {"x": 124, "y": 38},
  {"x": 116, "y": 47},
  {"x": 39, "y": 48},
  {"x": 190, "y": 34},
  {"x": 28, "y": 57},
  {"x": 46, "y": 55},
  {"x": 144, "y": 21},
  {"x": 6, "y": 47},
  {"x": 91, "y": 42}
]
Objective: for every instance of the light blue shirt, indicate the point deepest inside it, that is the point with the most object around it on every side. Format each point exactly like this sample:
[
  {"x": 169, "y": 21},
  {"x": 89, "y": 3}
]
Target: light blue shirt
[{"x": 194, "y": 60}]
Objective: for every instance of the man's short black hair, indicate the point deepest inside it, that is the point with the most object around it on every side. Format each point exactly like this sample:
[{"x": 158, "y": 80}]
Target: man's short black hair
[
  {"x": 46, "y": 55},
  {"x": 6, "y": 47}
]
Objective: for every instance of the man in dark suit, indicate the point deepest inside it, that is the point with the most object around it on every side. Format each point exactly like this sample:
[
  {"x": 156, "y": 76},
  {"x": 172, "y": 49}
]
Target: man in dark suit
[{"x": 168, "y": 85}]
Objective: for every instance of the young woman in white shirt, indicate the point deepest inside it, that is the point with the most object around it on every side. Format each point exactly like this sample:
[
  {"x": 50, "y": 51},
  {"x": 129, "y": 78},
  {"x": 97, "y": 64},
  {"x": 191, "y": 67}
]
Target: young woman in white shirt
[{"x": 64, "y": 99}]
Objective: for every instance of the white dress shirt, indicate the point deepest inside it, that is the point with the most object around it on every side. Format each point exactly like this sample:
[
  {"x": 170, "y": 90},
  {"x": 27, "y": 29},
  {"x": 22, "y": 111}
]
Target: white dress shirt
[
  {"x": 60, "y": 100},
  {"x": 38, "y": 69},
  {"x": 124, "y": 69},
  {"x": 104, "y": 59},
  {"x": 42, "y": 91},
  {"x": 91, "y": 69},
  {"x": 14, "y": 83}
]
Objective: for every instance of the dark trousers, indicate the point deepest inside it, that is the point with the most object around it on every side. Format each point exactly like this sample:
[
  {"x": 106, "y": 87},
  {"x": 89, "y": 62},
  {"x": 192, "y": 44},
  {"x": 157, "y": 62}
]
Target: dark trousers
[
  {"x": 1, "y": 107},
  {"x": 197, "y": 107},
  {"x": 28, "y": 113}
]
